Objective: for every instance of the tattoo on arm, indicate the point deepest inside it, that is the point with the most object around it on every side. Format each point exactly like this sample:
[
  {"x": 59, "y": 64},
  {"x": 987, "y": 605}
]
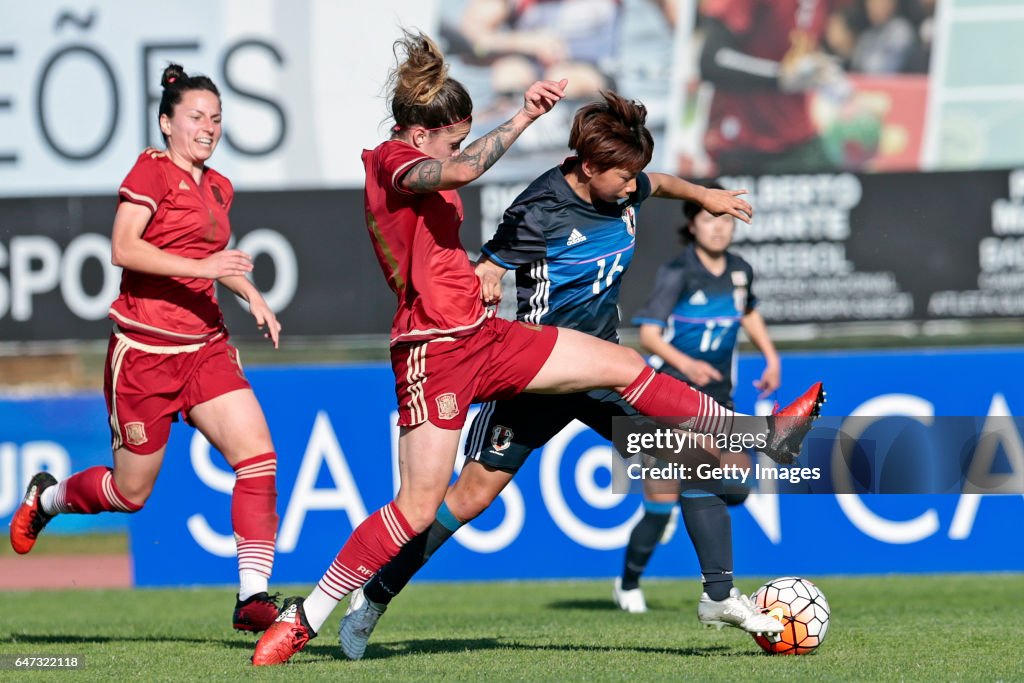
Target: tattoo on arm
[
  {"x": 425, "y": 177},
  {"x": 484, "y": 152}
]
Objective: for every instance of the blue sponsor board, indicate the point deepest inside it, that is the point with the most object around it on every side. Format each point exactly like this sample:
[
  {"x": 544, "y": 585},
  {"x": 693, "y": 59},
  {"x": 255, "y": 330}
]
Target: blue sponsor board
[
  {"x": 333, "y": 428},
  {"x": 334, "y": 431},
  {"x": 807, "y": 534}
]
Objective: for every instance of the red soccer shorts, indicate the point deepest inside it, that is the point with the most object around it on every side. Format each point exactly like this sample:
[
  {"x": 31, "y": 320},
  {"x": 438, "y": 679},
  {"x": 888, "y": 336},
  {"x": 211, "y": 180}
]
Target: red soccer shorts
[
  {"x": 438, "y": 380},
  {"x": 146, "y": 386}
]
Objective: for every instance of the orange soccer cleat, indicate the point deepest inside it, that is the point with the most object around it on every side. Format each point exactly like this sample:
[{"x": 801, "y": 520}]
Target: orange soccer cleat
[
  {"x": 29, "y": 519},
  {"x": 256, "y": 613},
  {"x": 285, "y": 637},
  {"x": 788, "y": 427}
]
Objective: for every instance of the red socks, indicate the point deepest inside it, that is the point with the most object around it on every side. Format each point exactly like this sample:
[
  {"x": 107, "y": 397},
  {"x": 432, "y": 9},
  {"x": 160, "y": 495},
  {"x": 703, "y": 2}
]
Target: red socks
[
  {"x": 370, "y": 547},
  {"x": 89, "y": 492},
  {"x": 254, "y": 513},
  {"x": 658, "y": 395}
]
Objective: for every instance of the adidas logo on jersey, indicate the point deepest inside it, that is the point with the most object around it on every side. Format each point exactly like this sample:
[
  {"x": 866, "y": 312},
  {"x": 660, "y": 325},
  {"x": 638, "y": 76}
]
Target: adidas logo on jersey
[
  {"x": 699, "y": 298},
  {"x": 575, "y": 238}
]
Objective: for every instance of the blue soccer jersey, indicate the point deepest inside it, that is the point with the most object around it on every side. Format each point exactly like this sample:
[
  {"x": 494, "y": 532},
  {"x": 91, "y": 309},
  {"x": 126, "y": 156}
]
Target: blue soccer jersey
[
  {"x": 701, "y": 313},
  {"x": 569, "y": 255}
]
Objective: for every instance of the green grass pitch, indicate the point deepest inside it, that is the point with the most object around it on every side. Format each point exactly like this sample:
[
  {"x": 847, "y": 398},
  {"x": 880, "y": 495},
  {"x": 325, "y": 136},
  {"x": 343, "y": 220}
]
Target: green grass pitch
[{"x": 891, "y": 628}]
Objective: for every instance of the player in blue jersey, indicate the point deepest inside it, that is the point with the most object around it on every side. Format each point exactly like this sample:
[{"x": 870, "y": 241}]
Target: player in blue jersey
[
  {"x": 690, "y": 324},
  {"x": 569, "y": 237}
]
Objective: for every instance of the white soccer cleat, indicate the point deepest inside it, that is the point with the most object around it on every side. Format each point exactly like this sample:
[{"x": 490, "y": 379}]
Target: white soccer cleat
[
  {"x": 629, "y": 601},
  {"x": 356, "y": 627},
  {"x": 738, "y": 611}
]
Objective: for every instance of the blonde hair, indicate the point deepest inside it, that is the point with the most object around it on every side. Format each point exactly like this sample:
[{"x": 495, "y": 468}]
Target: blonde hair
[{"x": 421, "y": 91}]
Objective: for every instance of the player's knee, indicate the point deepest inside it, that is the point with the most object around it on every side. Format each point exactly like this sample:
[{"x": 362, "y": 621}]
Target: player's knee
[
  {"x": 633, "y": 357},
  {"x": 420, "y": 517},
  {"x": 136, "y": 494},
  {"x": 467, "y": 505}
]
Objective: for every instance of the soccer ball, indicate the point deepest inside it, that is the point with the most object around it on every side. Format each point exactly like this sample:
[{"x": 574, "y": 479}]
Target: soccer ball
[{"x": 802, "y": 609}]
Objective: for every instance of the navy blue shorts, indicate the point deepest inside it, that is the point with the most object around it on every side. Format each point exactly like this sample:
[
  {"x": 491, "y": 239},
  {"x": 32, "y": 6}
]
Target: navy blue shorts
[{"x": 504, "y": 433}]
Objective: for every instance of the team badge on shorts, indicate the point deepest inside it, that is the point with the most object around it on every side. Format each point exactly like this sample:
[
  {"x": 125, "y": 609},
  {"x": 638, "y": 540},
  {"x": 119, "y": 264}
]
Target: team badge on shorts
[
  {"x": 447, "y": 406},
  {"x": 501, "y": 438},
  {"x": 135, "y": 433}
]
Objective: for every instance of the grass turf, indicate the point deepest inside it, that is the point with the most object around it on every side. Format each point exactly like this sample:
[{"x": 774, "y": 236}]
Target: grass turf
[{"x": 913, "y": 628}]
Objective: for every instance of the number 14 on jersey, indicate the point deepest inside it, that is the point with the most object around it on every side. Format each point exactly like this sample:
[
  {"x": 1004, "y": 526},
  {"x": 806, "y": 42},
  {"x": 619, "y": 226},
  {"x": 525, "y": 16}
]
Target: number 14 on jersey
[{"x": 604, "y": 280}]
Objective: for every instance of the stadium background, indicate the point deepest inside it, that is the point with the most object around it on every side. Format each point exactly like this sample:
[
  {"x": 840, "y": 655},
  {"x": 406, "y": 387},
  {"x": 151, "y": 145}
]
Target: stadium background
[{"x": 916, "y": 242}]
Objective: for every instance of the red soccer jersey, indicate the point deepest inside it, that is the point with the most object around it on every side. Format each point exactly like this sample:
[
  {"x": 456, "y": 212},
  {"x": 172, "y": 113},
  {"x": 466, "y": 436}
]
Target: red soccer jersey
[
  {"x": 188, "y": 220},
  {"x": 763, "y": 120},
  {"x": 416, "y": 238}
]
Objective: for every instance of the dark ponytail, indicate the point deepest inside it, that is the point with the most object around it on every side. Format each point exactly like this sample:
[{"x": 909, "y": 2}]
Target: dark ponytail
[{"x": 175, "y": 82}]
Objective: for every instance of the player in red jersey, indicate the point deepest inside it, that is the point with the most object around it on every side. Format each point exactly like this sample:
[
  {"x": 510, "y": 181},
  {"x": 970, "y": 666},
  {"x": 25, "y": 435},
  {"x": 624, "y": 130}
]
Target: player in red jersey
[
  {"x": 764, "y": 57},
  {"x": 169, "y": 351},
  {"x": 447, "y": 352}
]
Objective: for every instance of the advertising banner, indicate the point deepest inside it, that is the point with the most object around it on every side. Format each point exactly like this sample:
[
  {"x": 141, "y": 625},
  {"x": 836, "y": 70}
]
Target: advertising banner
[
  {"x": 844, "y": 247},
  {"x": 337, "y": 447},
  {"x": 846, "y": 229},
  {"x": 824, "y": 247},
  {"x": 313, "y": 263},
  {"x": 80, "y": 86},
  {"x": 911, "y": 86}
]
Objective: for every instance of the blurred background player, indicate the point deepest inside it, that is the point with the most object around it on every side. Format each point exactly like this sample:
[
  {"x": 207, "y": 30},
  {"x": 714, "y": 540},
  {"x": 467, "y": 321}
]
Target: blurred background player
[
  {"x": 169, "y": 351},
  {"x": 447, "y": 351},
  {"x": 690, "y": 324},
  {"x": 764, "y": 57},
  {"x": 523, "y": 40},
  {"x": 877, "y": 37},
  {"x": 499, "y": 47},
  {"x": 570, "y": 242}
]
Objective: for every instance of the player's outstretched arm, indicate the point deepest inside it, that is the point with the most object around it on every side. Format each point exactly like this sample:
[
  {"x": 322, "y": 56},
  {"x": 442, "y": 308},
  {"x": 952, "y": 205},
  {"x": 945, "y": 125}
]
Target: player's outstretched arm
[
  {"x": 432, "y": 175},
  {"x": 715, "y": 201}
]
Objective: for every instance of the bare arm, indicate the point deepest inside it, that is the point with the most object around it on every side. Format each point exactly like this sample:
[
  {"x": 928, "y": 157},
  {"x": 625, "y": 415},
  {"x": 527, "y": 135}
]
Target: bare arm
[
  {"x": 697, "y": 371},
  {"x": 265, "y": 318},
  {"x": 716, "y": 202},
  {"x": 130, "y": 251},
  {"x": 756, "y": 329},
  {"x": 432, "y": 175}
]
